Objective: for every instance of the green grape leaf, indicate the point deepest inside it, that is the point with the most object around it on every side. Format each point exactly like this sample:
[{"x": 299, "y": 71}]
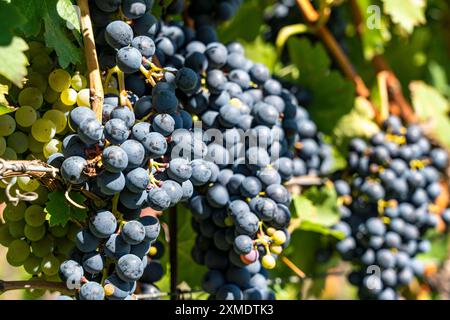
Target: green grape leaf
[
  {"x": 56, "y": 38},
  {"x": 4, "y": 109},
  {"x": 71, "y": 14},
  {"x": 358, "y": 123},
  {"x": 439, "y": 248},
  {"x": 60, "y": 211},
  {"x": 317, "y": 210},
  {"x": 439, "y": 78},
  {"x": 262, "y": 52},
  {"x": 4, "y": 104},
  {"x": 374, "y": 32},
  {"x": 406, "y": 13},
  {"x": 431, "y": 106},
  {"x": 333, "y": 94},
  {"x": 67, "y": 11},
  {"x": 427, "y": 101},
  {"x": 56, "y": 16},
  {"x": 32, "y": 11},
  {"x": 249, "y": 15},
  {"x": 10, "y": 18},
  {"x": 14, "y": 63}
]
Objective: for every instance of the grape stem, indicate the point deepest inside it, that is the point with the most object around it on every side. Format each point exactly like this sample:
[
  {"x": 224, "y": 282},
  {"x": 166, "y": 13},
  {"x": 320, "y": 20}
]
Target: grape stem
[
  {"x": 95, "y": 79},
  {"x": 381, "y": 65},
  {"x": 314, "y": 18},
  {"x": 34, "y": 284},
  {"x": 306, "y": 181},
  {"x": 17, "y": 168},
  {"x": 293, "y": 267},
  {"x": 31, "y": 168}
]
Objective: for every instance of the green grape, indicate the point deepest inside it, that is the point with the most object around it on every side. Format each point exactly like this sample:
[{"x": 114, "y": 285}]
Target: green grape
[
  {"x": 33, "y": 294},
  {"x": 5, "y": 182},
  {"x": 83, "y": 99},
  {"x": 58, "y": 118},
  {"x": 64, "y": 246},
  {"x": 51, "y": 147},
  {"x": 50, "y": 265},
  {"x": 34, "y": 233},
  {"x": 42, "y": 194},
  {"x": 7, "y": 125},
  {"x": 15, "y": 213},
  {"x": 35, "y": 215},
  {"x": 16, "y": 229},
  {"x": 34, "y": 48},
  {"x": 18, "y": 252},
  {"x": 79, "y": 81},
  {"x": 31, "y": 97},
  {"x": 53, "y": 277},
  {"x": 50, "y": 95},
  {"x": 36, "y": 80},
  {"x": 42, "y": 63},
  {"x": 33, "y": 264},
  {"x": 2, "y": 145},
  {"x": 18, "y": 141},
  {"x": 69, "y": 97},
  {"x": 25, "y": 116},
  {"x": 73, "y": 230},
  {"x": 37, "y": 156},
  {"x": 34, "y": 145},
  {"x": 59, "y": 80},
  {"x": 9, "y": 154},
  {"x": 59, "y": 231},
  {"x": 43, "y": 247},
  {"x": 43, "y": 130},
  {"x": 58, "y": 105},
  {"x": 28, "y": 184},
  {"x": 5, "y": 236}
]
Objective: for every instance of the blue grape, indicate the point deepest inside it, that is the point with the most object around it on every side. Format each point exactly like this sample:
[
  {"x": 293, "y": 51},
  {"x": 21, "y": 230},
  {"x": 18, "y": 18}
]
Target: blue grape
[
  {"x": 118, "y": 34},
  {"x": 103, "y": 224}
]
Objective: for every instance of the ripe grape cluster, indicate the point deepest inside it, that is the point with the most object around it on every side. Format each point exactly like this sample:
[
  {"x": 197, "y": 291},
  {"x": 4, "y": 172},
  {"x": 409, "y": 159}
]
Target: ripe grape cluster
[
  {"x": 389, "y": 202},
  {"x": 147, "y": 150},
  {"x": 240, "y": 207}
]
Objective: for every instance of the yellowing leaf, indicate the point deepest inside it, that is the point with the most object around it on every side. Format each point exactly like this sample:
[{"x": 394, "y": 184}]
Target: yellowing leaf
[
  {"x": 13, "y": 62},
  {"x": 406, "y": 13},
  {"x": 427, "y": 101}
]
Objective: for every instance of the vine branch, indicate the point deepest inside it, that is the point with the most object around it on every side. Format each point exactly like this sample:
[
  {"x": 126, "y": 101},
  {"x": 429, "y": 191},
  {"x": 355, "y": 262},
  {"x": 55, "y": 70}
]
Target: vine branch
[
  {"x": 313, "y": 18},
  {"x": 381, "y": 66},
  {"x": 33, "y": 284},
  {"x": 95, "y": 79}
]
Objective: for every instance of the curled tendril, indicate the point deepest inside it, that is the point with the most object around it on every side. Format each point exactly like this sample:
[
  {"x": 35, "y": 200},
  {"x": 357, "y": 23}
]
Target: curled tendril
[
  {"x": 71, "y": 201},
  {"x": 14, "y": 200}
]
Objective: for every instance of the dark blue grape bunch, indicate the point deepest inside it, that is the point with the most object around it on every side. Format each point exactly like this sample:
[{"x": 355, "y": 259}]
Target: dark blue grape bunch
[
  {"x": 253, "y": 137},
  {"x": 389, "y": 202}
]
